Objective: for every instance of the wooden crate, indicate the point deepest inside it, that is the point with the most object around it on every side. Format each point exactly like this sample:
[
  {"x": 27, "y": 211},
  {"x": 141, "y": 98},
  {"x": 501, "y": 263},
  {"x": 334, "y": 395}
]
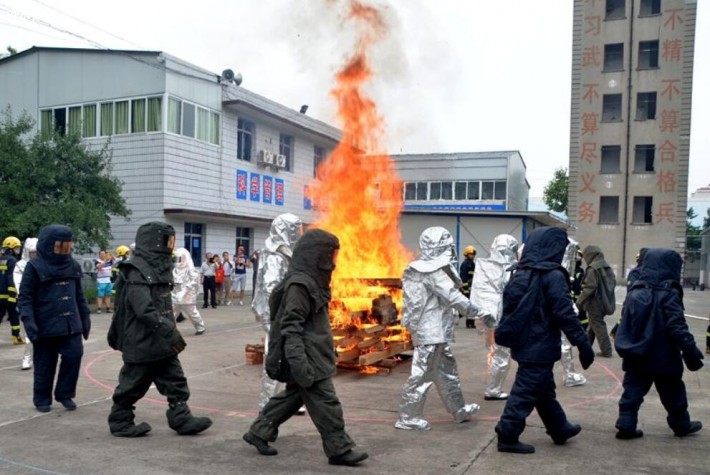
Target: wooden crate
[{"x": 254, "y": 354}]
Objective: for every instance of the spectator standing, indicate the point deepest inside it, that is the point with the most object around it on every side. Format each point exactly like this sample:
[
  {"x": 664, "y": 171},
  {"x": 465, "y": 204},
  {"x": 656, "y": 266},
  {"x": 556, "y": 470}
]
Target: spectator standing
[
  {"x": 104, "y": 266},
  {"x": 56, "y": 322},
  {"x": 208, "y": 269},
  {"x": 240, "y": 273},
  {"x": 254, "y": 259},
  {"x": 218, "y": 279},
  {"x": 227, "y": 285},
  {"x": 29, "y": 252}
]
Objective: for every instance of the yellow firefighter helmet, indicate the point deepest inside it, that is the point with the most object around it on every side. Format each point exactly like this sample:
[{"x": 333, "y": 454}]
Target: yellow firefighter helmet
[
  {"x": 122, "y": 251},
  {"x": 469, "y": 250},
  {"x": 11, "y": 242}
]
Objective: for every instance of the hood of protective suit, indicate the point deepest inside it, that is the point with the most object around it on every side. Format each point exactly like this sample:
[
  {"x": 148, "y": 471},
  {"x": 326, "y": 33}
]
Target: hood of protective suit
[
  {"x": 504, "y": 249},
  {"x": 48, "y": 237},
  {"x": 437, "y": 250},
  {"x": 594, "y": 257},
  {"x": 286, "y": 230},
  {"x": 30, "y": 246},
  {"x": 313, "y": 256},
  {"x": 154, "y": 245},
  {"x": 544, "y": 249},
  {"x": 660, "y": 266},
  {"x": 183, "y": 260},
  {"x": 569, "y": 261}
]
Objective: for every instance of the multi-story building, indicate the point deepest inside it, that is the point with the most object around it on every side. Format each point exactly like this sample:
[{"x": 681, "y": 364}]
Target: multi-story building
[
  {"x": 192, "y": 148},
  {"x": 632, "y": 69}
]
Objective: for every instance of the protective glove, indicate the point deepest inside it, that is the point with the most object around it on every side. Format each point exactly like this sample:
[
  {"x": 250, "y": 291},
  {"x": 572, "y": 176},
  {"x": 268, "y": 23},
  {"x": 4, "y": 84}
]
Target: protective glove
[
  {"x": 586, "y": 355},
  {"x": 301, "y": 369},
  {"x": 31, "y": 330},
  {"x": 176, "y": 341},
  {"x": 85, "y": 333},
  {"x": 693, "y": 358},
  {"x": 303, "y": 375}
]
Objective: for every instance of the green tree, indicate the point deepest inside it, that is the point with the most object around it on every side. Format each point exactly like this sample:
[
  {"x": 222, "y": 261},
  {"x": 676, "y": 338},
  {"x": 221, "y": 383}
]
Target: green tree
[
  {"x": 692, "y": 232},
  {"x": 9, "y": 52},
  {"x": 55, "y": 179},
  {"x": 555, "y": 193},
  {"x": 706, "y": 219}
]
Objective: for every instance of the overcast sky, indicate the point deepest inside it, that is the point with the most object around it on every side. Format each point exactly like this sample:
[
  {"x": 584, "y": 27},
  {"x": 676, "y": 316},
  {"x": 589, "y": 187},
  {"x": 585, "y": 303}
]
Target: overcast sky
[{"x": 452, "y": 76}]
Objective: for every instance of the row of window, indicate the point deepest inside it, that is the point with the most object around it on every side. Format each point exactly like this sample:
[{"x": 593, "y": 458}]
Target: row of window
[
  {"x": 132, "y": 116},
  {"x": 246, "y": 146},
  {"x": 455, "y": 190},
  {"x": 195, "y": 237},
  {"x": 645, "y": 107},
  {"x": 647, "y": 56},
  {"x": 642, "y": 210},
  {"x": 616, "y": 9},
  {"x": 644, "y": 159}
]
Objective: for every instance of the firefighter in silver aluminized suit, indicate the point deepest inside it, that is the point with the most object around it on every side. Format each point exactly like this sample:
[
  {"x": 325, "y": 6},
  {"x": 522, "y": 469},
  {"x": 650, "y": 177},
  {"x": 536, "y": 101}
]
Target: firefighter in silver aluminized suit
[
  {"x": 29, "y": 251},
  {"x": 274, "y": 262},
  {"x": 489, "y": 281},
  {"x": 186, "y": 282},
  {"x": 571, "y": 377},
  {"x": 432, "y": 302}
]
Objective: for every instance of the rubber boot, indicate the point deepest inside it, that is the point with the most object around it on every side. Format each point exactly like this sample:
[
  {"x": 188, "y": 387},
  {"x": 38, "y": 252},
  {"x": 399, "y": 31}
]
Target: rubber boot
[
  {"x": 513, "y": 445},
  {"x": 120, "y": 421},
  {"x": 181, "y": 420}
]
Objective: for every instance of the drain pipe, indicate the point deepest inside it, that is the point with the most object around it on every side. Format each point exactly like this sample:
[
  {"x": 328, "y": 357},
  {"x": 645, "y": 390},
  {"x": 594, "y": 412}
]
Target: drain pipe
[{"x": 628, "y": 144}]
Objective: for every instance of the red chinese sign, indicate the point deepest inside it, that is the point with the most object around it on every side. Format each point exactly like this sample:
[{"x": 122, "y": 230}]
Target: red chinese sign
[
  {"x": 672, "y": 50},
  {"x": 665, "y": 212},
  {"x": 671, "y": 88},
  {"x": 587, "y": 179},
  {"x": 591, "y": 93},
  {"x": 591, "y": 56},
  {"x": 666, "y": 182},
  {"x": 673, "y": 17},
  {"x": 590, "y": 123},
  {"x": 668, "y": 151},
  {"x": 586, "y": 212},
  {"x": 669, "y": 120},
  {"x": 589, "y": 151}
]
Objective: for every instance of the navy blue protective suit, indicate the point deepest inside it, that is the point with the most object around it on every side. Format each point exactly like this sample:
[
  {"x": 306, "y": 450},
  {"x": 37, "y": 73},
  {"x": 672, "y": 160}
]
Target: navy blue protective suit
[
  {"x": 534, "y": 386},
  {"x": 653, "y": 339},
  {"x": 55, "y": 313}
]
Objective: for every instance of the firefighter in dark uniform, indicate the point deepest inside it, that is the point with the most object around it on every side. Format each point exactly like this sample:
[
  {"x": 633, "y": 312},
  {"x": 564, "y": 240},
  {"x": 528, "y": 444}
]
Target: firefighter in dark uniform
[
  {"x": 577, "y": 279},
  {"x": 11, "y": 249},
  {"x": 143, "y": 329},
  {"x": 468, "y": 267}
]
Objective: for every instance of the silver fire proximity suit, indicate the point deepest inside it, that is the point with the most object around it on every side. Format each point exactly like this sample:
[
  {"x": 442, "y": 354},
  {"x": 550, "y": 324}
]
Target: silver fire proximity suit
[
  {"x": 186, "y": 282},
  {"x": 489, "y": 281},
  {"x": 571, "y": 376},
  {"x": 432, "y": 301},
  {"x": 274, "y": 262},
  {"x": 29, "y": 250}
]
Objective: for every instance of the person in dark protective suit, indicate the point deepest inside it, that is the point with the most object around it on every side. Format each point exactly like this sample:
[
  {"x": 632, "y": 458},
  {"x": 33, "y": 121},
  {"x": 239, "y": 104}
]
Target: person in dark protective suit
[
  {"x": 143, "y": 329},
  {"x": 56, "y": 316},
  {"x": 541, "y": 285},
  {"x": 653, "y": 339},
  {"x": 308, "y": 353}
]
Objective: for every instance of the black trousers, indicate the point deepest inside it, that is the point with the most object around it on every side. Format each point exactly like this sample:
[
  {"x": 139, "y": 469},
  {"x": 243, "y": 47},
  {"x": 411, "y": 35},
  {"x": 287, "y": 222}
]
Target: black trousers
[
  {"x": 671, "y": 391},
  {"x": 45, "y": 357},
  {"x": 135, "y": 379},
  {"x": 209, "y": 286},
  {"x": 323, "y": 407},
  {"x": 11, "y": 309},
  {"x": 534, "y": 388}
]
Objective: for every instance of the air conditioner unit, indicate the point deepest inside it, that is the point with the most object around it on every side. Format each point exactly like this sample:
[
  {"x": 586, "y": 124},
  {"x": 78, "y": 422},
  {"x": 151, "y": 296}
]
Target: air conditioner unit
[
  {"x": 88, "y": 266},
  {"x": 281, "y": 161},
  {"x": 265, "y": 157}
]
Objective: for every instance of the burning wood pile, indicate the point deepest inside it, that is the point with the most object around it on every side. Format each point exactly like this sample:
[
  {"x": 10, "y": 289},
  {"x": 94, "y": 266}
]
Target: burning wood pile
[{"x": 366, "y": 326}]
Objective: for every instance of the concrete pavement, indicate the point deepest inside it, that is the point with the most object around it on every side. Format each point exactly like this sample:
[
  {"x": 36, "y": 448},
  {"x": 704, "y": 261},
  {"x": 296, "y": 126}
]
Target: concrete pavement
[{"x": 226, "y": 389}]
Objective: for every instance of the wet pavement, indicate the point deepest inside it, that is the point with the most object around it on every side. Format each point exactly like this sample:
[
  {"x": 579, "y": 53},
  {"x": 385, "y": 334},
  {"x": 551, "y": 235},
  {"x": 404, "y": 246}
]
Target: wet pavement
[{"x": 224, "y": 387}]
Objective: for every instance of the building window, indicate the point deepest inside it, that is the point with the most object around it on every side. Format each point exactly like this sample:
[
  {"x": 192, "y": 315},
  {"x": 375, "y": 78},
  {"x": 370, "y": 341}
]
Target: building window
[
  {"x": 460, "y": 191},
  {"x": 106, "y": 118},
  {"x": 89, "y": 120},
  {"x": 447, "y": 190},
  {"x": 435, "y": 190},
  {"x": 611, "y": 111},
  {"x": 646, "y": 106},
  {"x": 487, "y": 189},
  {"x": 421, "y": 191},
  {"x": 214, "y": 128},
  {"x": 121, "y": 118},
  {"x": 45, "y": 123},
  {"x": 410, "y": 191},
  {"x": 245, "y": 139},
  {"x": 138, "y": 115},
  {"x": 74, "y": 122},
  {"x": 202, "y": 124},
  {"x": 648, "y": 54},
  {"x": 174, "y": 114},
  {"x": 188, "y": 120},
  {"x": 285, "y": 148},
  {"x": 244, "y": 240},
  {"x": 614, "y": 57},
  {"x": 650, "y": 7},
  {"x": 615, "y": 9},
  {"x": 500, "y": 192},
  {"x": 474, "y": 190},
  {"x": 611, "y": 159},
  {"x": 155, "y": 114},
  {"x": 319, "y": 157},
  {"x": 608, "y": 210},
  {"x": 643, "y": 206},
  {"x": 193, "y": 241},
  {"x": 60, "y": 120},
  {"x": 645, "y": 155}
]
